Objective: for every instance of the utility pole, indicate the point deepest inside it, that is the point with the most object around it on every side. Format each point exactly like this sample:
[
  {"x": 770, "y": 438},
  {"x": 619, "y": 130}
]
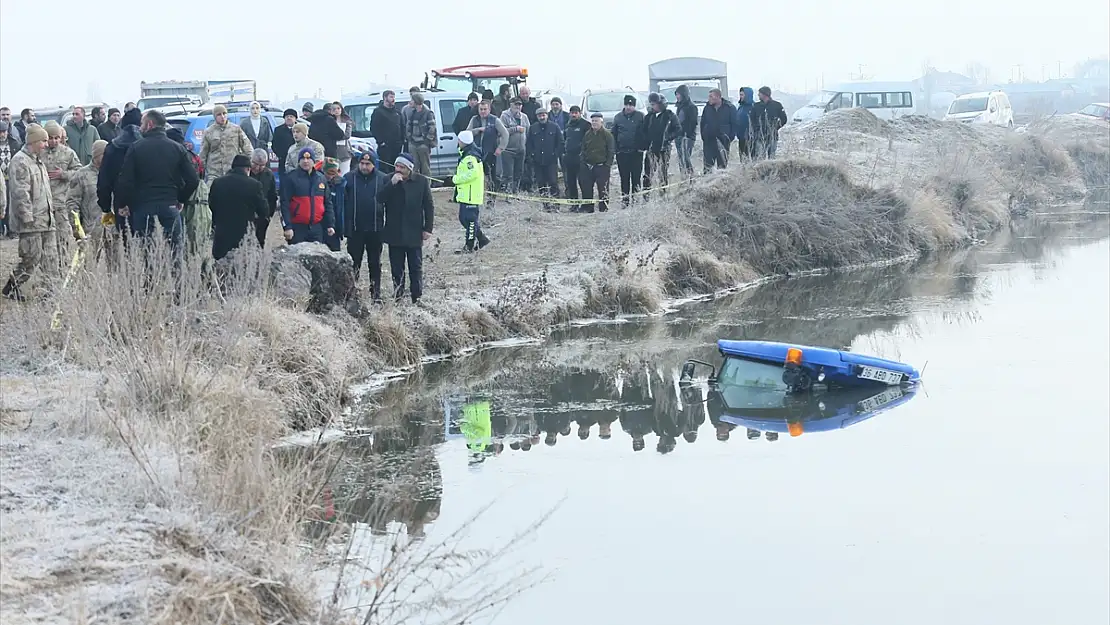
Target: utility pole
[{"x": 1059, "y": 69}]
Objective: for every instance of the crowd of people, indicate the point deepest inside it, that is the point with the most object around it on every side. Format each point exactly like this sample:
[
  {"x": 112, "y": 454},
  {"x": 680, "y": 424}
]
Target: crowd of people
[{"x": 119, "y": 174}]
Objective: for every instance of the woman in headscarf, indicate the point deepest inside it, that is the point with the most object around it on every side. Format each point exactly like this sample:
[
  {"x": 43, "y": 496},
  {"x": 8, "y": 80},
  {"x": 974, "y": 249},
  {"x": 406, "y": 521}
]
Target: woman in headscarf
[
  {"x": 257, "y": 128},
  {"x": 343, "y": 148}
]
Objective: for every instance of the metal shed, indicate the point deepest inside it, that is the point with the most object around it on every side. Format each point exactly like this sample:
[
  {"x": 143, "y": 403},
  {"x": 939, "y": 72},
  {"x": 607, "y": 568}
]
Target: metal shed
[{"x": 688, "y": 68}]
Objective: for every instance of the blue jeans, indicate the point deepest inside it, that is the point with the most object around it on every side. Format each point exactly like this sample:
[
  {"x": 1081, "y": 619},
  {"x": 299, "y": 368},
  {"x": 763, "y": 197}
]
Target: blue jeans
[
  {"x": 168, "y": 216},
  {"x": 685, "y": 148}
]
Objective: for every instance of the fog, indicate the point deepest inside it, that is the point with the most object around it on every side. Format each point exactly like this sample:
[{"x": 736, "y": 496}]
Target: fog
[{"x": 73, "y": 53}]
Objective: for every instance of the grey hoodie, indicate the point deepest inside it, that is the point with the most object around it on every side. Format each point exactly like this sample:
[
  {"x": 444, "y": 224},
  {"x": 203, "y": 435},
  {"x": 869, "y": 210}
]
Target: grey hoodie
[{"x": 517, "y": 139}]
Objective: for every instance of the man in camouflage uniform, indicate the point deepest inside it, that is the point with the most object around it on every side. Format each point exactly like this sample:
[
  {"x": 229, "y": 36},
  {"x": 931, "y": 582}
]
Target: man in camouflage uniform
[
  {"x": 32, "y": 212},
  {"x": 300, "y": 142},
  {"x": 62, "y": 164},
  {"x": 81, "y": 197},
  {"x": 222, "y": 142}
]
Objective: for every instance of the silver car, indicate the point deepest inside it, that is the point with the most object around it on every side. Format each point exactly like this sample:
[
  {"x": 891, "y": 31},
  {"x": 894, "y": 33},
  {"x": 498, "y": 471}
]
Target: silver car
[{"x": 609, "y": 102}]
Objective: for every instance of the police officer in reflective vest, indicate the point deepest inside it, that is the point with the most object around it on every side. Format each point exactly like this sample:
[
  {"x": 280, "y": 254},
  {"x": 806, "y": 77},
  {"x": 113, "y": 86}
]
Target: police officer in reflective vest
[{"x": 470, "y": 183}]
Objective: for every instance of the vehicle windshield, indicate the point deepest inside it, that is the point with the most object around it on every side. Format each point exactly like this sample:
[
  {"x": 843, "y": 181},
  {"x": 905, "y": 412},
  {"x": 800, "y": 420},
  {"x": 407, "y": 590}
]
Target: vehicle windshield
[
  {"x": 699, "y": 94},
  {"x": 1094, "y": 110},
  {"x": 606, "y": 101},
  {"x": 466, "y": 85},
  {"x": 967, "y": 105},
  {"x": 157, "y": 101},
  {"x": 822, "y": 98},
  {"x": 750, "y": 384}
]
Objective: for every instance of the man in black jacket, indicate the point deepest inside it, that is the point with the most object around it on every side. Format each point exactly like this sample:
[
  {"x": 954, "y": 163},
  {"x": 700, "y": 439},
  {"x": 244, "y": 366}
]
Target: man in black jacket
[
  {"x": 236, "y": 201},
  {"x": 365, "y": 219},
  {"x": 687, "y": 113},
  {"x": 326, "y": 130},
  {"x": 283, "y": 136},
  {"x": 465, "y": 114},
  {"x": 157, "y": 178},
  {"x": 388, "y": 129},
  {"x": 260, "y": 171},
  {"x": 572, "y": 159},
  {"x": 544, "y": 147},
  {"x": 628, "y": 129},
  {"x": 661, "y": 127},
  {"x": 767, "y": 117},
  {"x": 716, "y": 131},
  {"x": 409, "y": 216}
]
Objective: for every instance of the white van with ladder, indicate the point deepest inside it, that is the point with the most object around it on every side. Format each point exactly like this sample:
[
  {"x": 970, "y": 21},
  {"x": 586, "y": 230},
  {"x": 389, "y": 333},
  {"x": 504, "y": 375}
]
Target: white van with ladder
[{"x": 886, "y": 100}]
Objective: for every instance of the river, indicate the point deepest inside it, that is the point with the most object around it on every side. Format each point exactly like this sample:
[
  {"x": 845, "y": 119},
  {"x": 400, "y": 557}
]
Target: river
[{"x": 982, "y": 498}]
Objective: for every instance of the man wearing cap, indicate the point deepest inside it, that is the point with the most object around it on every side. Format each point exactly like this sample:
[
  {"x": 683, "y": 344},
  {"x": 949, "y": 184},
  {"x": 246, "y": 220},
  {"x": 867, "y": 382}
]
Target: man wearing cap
[
  {"x": 260, "y": 171},
  {"x": 300, "y": 142},
  {"x": 32, "y": 212},
  {"x": 628, "y": 128},
  {"x": 516, "y": 148},
  {"x": 598, "y": 152},
  {"x": 283, "y": 135},
  {"x": 420, "y": 134},
  {"x": 81, "y": 198},
  {"x": 576, "y": 130},
  {"x": 492, "y": 137},
  {"x": 110, "y": 128},
  {"x": 409, "y": 217},
  {"x": 61, "y": 164},
  {"x": 306, "y": 209},
  {"x": 560, "y": 118},
  {"x": 465, "y": 114},
  {"x": 237, "y": 201},
  {"x": 222, "y": 142},
  {"x": 545, "y": 146},
  {"x": 365, "y": 218},
  {"x": 112, "y": 164},
  {"x": 306, "y": 110},
  {"x": 156, "y": 181},
  {"x": 388, "y": 129},
  {"x": 470, "y": 193},
  {"x": 80, "y": 135},
  {"x": 661, "y": 128},
  {"x": 337, "y": 192}
]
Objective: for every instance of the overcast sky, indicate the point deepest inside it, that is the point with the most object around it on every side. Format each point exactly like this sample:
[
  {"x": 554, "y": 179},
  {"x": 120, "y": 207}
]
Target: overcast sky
[{"x": 788, "y": 45}]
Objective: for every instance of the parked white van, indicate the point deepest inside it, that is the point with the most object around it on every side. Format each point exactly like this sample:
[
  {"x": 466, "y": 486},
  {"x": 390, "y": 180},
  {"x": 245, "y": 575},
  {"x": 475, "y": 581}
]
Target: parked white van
[
  {"x": 886, "y": 100},
  {"x": 987, "y": 107}
]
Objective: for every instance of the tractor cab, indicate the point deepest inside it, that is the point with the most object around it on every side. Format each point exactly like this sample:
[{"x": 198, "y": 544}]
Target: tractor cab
[{"x": 475, "y": 78}]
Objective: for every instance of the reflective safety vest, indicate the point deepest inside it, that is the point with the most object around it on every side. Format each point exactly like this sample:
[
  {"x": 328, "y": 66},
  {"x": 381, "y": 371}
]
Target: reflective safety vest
[
  {"x": 470, "y": 181},
  {"x": 477, "y": 424}
]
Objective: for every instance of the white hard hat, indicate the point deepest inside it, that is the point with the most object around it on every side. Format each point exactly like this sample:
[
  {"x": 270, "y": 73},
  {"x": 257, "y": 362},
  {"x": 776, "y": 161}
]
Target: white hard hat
[{"x": 466, "y": 137}]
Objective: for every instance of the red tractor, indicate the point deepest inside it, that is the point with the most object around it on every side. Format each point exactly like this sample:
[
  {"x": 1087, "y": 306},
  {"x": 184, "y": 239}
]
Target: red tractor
[{"x": 475, "y": 78}]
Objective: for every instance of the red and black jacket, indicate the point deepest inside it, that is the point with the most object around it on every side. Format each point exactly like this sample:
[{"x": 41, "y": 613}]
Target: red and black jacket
[{"x": 305, "y": 200}]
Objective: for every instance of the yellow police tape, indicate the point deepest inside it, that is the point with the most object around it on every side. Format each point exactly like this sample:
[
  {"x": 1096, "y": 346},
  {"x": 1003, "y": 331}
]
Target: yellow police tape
[{"x": 78, "y": 254}]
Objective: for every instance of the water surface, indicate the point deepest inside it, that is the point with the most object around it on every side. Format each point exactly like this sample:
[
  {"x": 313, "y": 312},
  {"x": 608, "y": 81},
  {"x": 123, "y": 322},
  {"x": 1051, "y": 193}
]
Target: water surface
[{"x": 985, "y": 498}]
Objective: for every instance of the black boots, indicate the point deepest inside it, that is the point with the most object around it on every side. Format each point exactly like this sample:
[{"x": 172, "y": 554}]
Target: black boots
[{"x": 11, "y": 291}]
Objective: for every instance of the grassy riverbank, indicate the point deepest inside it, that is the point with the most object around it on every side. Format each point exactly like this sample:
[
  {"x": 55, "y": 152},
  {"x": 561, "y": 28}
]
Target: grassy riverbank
[{"x": 139, "y": 481}]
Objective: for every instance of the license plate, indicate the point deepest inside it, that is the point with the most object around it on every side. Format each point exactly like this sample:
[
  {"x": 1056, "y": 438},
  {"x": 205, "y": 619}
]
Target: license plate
[
  {"x": 880, "y": 375},
  {"x": 881, "y": 399}
]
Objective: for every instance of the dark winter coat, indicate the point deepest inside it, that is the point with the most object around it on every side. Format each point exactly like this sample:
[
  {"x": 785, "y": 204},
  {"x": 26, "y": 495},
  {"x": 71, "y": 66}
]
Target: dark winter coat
[
  {"x": 598, "y": 148},
  {"x": 364, "y": 212},
  {"x": 529, "y": 108},
  {"x": 409, "y": 212},
  {"x": 767, "y": 118},
  {"x": 110, "y": 167},
  {"x": 716, "y": 123},
  {"x": 572, "y": 138},
  {"x": 156, "y": 170},
  {"x": 387, "y": 127},
  {"x": 236, "y": 200},
  {"x": 660, "y": 130},
  {"x": 269, "y": 190},
  {"x": 327, "y": 131},
  {"x": 108, "y": 131},
  {"x": 545, "y": 143},
  {"x": 462, "y": 118},
  {"x": 283, "y": 140},
  {"x": 687, "y": 112},
  {"x": 743, "y": 114},
  {"x": 560, "y": 119},
  {"x": 627, "y": 129}
]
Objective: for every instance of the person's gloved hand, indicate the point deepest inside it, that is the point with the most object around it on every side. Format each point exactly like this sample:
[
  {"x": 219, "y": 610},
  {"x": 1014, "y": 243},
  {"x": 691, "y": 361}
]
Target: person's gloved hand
[{"x": 108, "y": 219}]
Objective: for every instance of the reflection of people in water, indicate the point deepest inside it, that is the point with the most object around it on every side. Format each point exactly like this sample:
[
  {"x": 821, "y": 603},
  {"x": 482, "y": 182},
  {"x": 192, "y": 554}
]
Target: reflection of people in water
[
  {"x": 585, "y": 420},
  {"x": 554, "y": 424},
  {"x": 636, "y": 408},
  {"x": 715, "y": 405}
]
